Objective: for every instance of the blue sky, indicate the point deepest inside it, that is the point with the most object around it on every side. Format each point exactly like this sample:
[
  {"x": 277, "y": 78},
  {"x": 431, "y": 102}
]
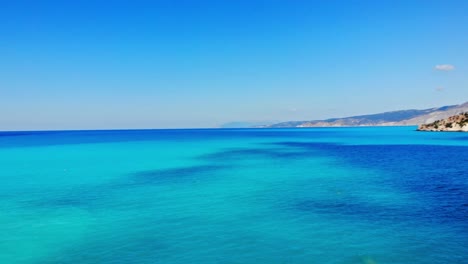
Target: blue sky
[{"x": 166, "y": 64}]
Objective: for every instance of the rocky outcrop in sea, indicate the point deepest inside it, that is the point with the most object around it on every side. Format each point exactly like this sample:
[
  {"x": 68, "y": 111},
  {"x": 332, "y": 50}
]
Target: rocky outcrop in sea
[{"x": 456, "y": 123}]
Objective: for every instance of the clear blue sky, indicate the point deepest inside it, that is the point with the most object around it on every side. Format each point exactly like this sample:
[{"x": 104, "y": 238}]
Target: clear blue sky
[{"x": 155, "y": 64}]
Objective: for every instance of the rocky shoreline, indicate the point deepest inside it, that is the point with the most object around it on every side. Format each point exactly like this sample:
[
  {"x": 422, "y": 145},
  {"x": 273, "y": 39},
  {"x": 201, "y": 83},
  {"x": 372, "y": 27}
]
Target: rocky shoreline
[{"x": 456, "y": 123}]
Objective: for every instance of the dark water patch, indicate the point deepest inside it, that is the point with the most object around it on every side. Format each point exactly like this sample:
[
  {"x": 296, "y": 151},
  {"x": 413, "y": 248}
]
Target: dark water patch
[
  {"x": 192, "y": 173},
  {"x": 249, "y": 153},
  {"x": 22, "y": 133},
  {"x": 108, "y": 194},
  {"x": 84, "y": 197},
  {"x": 436, "y": 175},
  {"x": 462, "y": 138},
  {"x": 65, "y": 201},
  {"x": 351, "y": 209},
  {"x": 286, "y": 133}
]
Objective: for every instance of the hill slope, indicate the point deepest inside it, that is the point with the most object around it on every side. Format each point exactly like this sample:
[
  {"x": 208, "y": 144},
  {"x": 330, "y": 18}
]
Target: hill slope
[{"x": 394, "y": 118}]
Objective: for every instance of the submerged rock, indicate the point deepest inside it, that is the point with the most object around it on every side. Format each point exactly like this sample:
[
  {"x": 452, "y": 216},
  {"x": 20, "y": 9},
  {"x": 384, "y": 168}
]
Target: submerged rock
[{"x": 368, "y": 260}]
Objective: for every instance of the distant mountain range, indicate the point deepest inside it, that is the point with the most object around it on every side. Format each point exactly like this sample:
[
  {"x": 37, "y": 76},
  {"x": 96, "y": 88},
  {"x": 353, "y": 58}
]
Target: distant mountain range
[{"x": 394, "y": 118}]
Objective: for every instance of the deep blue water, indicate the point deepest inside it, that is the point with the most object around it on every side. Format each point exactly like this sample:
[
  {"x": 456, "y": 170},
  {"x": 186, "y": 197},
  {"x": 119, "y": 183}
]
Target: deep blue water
[{"x": 322, "y": 195}]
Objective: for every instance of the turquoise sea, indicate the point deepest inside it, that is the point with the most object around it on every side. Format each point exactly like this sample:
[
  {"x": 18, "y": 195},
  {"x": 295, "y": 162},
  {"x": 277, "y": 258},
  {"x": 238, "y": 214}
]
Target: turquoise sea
[{"x": 319, "y": 195}]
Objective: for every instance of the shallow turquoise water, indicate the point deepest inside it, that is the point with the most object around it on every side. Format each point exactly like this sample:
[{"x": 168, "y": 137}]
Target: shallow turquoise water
[{"x": 324, "y": 195}]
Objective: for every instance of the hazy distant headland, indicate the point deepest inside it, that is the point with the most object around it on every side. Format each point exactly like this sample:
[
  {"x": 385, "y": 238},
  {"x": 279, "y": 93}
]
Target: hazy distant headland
[
  {"x": 410, "y": 117},
  {"x": 241, "y": 124}
]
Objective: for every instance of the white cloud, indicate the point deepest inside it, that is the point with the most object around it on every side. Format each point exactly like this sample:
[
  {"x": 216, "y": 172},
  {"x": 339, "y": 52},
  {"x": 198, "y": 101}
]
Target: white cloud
[{"x": 444, "y": 67}]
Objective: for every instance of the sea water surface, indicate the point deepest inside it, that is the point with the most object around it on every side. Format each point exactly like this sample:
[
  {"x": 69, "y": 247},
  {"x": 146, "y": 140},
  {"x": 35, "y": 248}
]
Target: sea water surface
[{"x": 320, "y": 195}]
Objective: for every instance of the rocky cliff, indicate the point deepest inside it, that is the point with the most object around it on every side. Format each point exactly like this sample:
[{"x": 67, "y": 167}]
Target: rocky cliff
[{"x": 454, "y": 123}]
